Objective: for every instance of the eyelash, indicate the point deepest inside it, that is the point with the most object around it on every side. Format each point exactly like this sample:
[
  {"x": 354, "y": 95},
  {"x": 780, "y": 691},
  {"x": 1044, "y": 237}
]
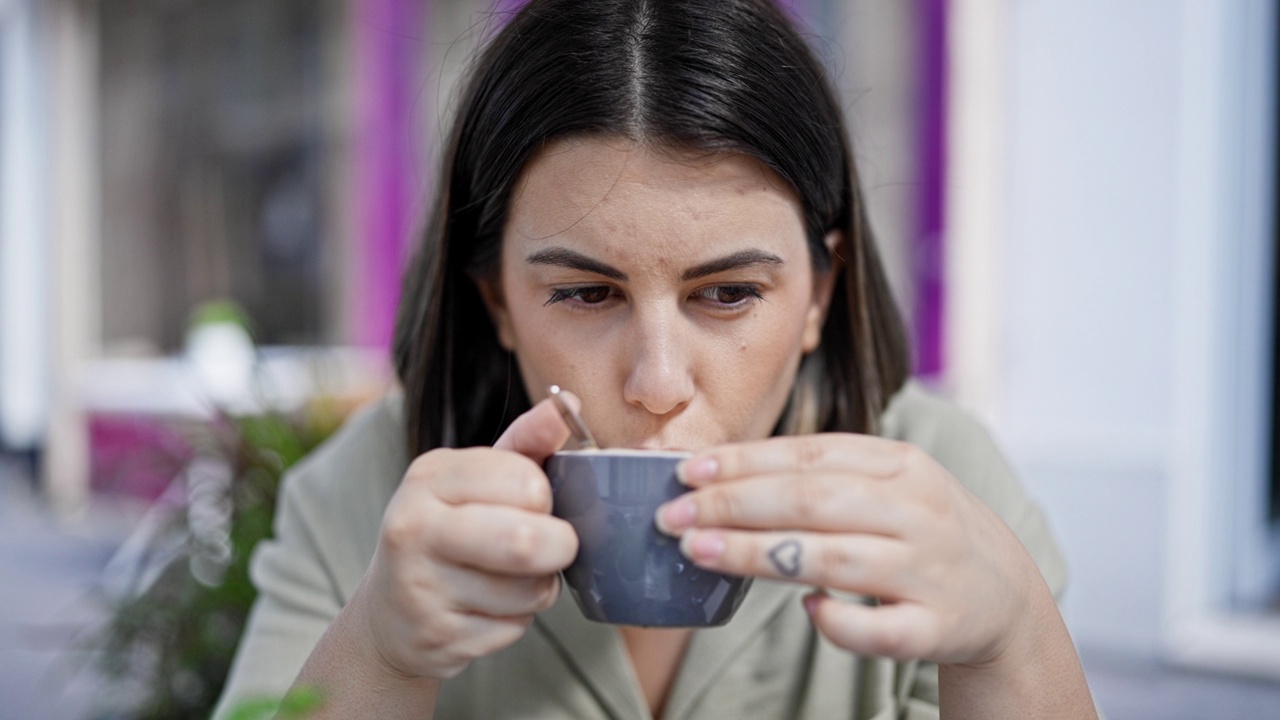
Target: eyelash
[{"x": 749, "y": 294}]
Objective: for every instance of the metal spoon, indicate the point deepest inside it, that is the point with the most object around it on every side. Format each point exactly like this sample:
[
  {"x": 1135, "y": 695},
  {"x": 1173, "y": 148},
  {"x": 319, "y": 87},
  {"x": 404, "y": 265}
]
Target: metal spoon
[{"x": 571, "y": 418}]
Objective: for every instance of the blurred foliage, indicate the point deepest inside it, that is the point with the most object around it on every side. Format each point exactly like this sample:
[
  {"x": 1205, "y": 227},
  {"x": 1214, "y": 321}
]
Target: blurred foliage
[
  {"x": 216, "y": 312},
  {"x": 297, "y": 705},
  {"x": 170, "y": 644}
]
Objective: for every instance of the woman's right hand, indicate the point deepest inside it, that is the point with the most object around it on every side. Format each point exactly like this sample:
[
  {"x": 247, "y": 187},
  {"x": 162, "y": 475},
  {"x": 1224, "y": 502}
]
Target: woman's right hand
[{"x": 468, "y": 552}]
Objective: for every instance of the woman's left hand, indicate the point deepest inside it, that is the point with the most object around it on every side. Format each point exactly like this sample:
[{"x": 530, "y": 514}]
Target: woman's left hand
[{"x": 869, "y": 516}]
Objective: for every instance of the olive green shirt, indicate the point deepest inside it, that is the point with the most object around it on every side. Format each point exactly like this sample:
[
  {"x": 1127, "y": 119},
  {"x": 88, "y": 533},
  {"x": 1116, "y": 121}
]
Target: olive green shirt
[{"x": 767, "y": 662}]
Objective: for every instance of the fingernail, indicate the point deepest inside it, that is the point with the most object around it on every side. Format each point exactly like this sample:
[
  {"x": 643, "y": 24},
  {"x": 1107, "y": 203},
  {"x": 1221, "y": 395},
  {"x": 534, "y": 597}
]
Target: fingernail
[
  {"x": 676, "y": 516},
  {"x": 811, "y": 602},
  {"x": 696, "y": 470},
  {"x": 703, "y": 547}
]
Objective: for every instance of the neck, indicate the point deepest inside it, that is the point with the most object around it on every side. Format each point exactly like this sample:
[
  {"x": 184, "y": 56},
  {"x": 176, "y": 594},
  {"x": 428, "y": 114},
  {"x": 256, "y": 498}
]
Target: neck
[{"x": 655, "y": 656}]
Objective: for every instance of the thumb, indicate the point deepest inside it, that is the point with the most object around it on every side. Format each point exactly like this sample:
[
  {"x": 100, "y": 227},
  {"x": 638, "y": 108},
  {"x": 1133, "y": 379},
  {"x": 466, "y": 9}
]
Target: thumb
[{"x": 538, "y": 433}]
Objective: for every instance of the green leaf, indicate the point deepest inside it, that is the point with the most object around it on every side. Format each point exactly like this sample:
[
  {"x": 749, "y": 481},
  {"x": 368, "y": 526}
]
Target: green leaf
[
  {"x": 299, "y": 704},
  {"x": 257, "y": 709}
]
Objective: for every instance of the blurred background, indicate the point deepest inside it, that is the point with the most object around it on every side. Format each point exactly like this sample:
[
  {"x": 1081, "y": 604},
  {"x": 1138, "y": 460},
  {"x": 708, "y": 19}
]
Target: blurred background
[{"x": 205, "y": 208}]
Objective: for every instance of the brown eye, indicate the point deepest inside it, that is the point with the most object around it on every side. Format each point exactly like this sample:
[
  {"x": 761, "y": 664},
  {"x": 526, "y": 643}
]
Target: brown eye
[
  {"x": 730, "y": 295},
  {"x": 593, "y": 295},
  {"x": 590, "y": 295}
]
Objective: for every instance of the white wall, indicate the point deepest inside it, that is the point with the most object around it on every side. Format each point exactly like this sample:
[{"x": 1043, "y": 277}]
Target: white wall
[
  {"x": 24, "y": 291},
  {"x": 1090, "y": 222},
  {"x": 1126, "y": 156}
]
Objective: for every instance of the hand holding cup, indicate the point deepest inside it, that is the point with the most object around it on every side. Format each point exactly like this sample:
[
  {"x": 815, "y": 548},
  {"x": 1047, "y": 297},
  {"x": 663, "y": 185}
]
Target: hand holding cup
[
  {"x": 872, "y": 517},
  {"x": 468, "y": 552}
]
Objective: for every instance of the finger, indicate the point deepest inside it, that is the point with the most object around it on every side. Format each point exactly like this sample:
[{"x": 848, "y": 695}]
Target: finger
[
  {"x": 902, "y": 631},
  {"x": 485, "y": 476},
  {"x": 864, "y": 454},
  {"x": 503, "y": 540},
  {"x": 872, "y": 565},
  {"x": 539, "y": 432},
  {"x": 472, "y": 591},
  {"x": 808, "y": 501}
]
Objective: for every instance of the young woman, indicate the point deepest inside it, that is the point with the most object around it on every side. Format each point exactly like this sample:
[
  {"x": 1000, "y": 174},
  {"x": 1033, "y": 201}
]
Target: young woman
[{"x": 653, "y": 204}]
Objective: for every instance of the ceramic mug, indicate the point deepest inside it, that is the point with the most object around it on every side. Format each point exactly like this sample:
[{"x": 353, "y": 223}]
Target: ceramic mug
[{"x": 627, "y": 572}]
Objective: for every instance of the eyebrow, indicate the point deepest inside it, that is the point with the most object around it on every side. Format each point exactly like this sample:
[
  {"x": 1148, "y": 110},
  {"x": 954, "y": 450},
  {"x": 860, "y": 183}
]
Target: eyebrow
[
  {"x": 733, "y": 261},
  {"x": 566, "y": 258},
  {"x": 573, "y": 260}
]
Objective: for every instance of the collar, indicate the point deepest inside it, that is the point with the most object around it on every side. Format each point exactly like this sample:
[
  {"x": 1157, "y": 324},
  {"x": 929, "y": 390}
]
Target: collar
[{"x": 596, "y": 654}]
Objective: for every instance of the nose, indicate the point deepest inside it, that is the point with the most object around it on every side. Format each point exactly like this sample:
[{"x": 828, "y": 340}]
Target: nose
[{"x": 660, "y": 376}]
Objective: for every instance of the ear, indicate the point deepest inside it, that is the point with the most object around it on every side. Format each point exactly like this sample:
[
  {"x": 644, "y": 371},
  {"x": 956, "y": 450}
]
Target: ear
[
  {"x": 823, "y": 285},
  {"x": 491, "y": 293}
]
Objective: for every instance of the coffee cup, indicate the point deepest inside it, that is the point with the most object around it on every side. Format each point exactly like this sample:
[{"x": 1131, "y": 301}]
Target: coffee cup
[{"x": 627, "y": 572}]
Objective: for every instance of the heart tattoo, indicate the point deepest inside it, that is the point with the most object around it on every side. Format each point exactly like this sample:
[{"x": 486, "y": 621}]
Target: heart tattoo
[{"x": 785, "y": 556}]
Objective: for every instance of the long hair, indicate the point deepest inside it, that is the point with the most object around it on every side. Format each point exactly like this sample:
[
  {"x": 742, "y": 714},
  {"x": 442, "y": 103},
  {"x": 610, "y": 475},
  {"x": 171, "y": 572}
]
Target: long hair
[{"x": 705, "y": 76}]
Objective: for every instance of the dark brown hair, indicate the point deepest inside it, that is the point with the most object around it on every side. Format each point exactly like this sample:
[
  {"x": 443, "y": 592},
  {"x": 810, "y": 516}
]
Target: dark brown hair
[{"x": 704, "y": 76}]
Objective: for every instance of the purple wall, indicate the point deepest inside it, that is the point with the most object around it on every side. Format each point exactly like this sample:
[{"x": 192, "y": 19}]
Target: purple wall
[
  {"x": 929, "y": 253},
  {"x": 388, "y": 180}
]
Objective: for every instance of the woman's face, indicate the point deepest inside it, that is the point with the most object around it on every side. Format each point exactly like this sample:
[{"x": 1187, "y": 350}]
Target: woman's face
[{"x": 675, "y": 296}]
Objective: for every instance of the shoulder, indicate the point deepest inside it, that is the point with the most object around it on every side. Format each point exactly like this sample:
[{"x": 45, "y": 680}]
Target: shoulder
[
  {"x": 338, "y": 493},
  {"x": 952, "y": 437},
  {"x": 917, "y": 415},
  {"x": 371, "y": 443},
  {"x": 948, "y": 434},
  {"x": 959, "y": 443}
]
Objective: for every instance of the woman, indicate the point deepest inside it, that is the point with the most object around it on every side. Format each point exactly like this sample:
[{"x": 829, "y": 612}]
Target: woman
[{"x": 653, "y": 204}]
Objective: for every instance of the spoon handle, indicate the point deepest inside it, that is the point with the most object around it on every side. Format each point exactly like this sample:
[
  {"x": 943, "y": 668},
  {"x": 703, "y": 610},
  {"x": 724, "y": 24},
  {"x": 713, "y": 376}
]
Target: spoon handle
[{"x": 577, "y": 427}]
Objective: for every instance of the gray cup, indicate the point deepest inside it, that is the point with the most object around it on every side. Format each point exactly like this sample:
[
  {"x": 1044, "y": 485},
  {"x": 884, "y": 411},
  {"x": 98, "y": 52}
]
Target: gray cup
[{"x": 627, "y": 572}]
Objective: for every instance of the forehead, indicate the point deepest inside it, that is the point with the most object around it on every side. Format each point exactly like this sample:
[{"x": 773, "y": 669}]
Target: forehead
[{"x": 609, "y": 191}]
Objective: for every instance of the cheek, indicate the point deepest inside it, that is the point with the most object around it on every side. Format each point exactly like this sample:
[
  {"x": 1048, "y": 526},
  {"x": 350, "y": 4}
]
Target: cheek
[
  {"x": 550, "y": 353},
  {"x": 752, "y": 378}
]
